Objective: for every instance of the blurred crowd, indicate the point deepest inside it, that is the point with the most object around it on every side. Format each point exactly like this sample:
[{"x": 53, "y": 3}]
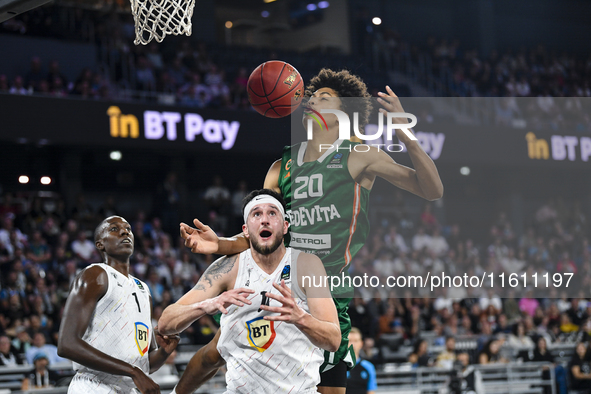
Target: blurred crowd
[
  {"x": 43, "y": 246},
  {"x": 181, "y": 71}
]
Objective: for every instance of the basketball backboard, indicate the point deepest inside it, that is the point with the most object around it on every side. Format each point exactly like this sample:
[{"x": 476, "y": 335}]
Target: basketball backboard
[{"x": 10, "y": 8}]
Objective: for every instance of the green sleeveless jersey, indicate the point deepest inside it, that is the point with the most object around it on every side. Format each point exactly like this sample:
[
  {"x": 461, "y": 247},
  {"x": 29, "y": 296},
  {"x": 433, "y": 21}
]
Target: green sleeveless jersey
[{"x": 328, "y": 210}]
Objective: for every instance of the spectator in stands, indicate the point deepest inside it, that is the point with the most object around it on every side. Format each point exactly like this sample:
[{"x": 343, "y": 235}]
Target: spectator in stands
[
  {"x": 567, "y": 328},
  {"x": 22, "y": 342},
  {"x": 144, "y": 75},
  {"x": 370, "y": 351},
  {"x": 446, "y": 358},
  {"x": 40, "y": 346},
  {"x": 83, "y": 248},
  {"x": 518, "y": 339},
  {"x": 237, "y": 197},
  {"x": 491, "y": 353},
  {"x": 109, "y": 208},
  {"x": 169, "y": 197},
  {"x": 389, "y": 322},
  {"x": 528, "y": 304},
  {"x": 4, "y": 83},
  {"x": 204, "y": 330},
  {"x": 195, "y": 93},
  {"x": 54, "y": 72},
  {"x": 437, "y": 244},
  {"x": 542, "y": 354},
  {"x": 38, "y": 249},
  {"x": 34, "y": 76},
  {"x": 362, "y": 378},
  {"x": 178, "y": 72},
  {"x": 395, "y": 241},
  {"x": 577, "y": 312},
  {"x": 11, "y": 237},
  {"x": 420, "y": 240},
  {"x": 18, "y": 86},
  {"x": 155, "y": 285},
  {"x": 580, "y": 369},
  {"x": 9, "y": 356},
  {"x": 428, "y": 219},
  {"x": 41, "y": 377},
  {"x": 83, "y": 216},
  {"x": 419, "y": 357}
]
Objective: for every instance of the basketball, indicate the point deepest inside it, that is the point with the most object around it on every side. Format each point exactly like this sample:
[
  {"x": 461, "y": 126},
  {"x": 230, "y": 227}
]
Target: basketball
[{"x": 275, "y": 89}]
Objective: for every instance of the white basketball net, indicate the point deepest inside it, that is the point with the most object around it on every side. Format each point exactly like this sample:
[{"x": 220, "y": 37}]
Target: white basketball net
[{"x": 157, "y": 18}]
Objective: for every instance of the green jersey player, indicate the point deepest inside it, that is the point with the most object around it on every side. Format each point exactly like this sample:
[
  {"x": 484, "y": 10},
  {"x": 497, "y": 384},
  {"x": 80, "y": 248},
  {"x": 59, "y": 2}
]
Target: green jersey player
[{"x": 327, "y": 191}]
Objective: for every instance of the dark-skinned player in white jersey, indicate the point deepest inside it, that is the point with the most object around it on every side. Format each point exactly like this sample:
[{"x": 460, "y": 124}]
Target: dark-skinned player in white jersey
[
  {"x": 106, "y": 328},
  {"x": 348, "y": 194}
]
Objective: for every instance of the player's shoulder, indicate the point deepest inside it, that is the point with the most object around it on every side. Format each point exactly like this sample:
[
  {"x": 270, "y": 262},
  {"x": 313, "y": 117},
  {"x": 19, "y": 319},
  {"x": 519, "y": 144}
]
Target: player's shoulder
[
  {"x": 93, "y": 279},
  {"x": 305, "y": 259},
  {"x": 225, "y": 266},
  {"x": 93, "y": 272}
]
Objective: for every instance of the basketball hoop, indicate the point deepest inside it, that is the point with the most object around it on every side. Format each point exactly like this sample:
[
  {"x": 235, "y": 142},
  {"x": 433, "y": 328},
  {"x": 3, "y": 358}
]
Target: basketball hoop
[{"x": 154, "y": 19}]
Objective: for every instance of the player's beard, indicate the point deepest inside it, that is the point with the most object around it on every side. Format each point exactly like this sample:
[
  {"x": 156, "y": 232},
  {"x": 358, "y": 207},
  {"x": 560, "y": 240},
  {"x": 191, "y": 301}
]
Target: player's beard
[{"x": 266, "y": 250}]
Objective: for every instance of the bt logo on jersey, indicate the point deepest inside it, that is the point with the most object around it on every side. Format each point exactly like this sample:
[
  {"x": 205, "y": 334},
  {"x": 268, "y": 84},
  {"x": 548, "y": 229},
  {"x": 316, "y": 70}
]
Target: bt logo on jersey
[
  {"x": 261, "y": 333},
  {"x": 141, "y": 337}
]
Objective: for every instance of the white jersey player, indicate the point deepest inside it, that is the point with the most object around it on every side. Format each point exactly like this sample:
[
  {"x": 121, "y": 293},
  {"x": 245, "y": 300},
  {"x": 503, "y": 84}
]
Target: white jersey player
[
  {"x": 107, "y": 329},
  {"x": 274, "y": 325}
]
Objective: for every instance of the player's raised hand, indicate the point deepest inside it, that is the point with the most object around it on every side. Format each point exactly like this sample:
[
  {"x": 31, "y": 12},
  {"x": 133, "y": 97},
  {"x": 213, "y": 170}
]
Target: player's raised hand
[
  {"x": 144, "y": 383},
  {"x": 391, "y": 103},
  {"x": 200, "y": 239},
  {"x": 167, "y": 342},
  {"x": 290, "y": 312},
  {"x": 236, "y": 297}
]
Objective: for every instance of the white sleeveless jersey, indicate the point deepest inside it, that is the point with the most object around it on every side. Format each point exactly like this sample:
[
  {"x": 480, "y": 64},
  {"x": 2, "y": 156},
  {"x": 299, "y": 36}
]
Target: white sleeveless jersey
[
  {"x": 121, "y": 326},
  {"x": 265, "y": 356}
]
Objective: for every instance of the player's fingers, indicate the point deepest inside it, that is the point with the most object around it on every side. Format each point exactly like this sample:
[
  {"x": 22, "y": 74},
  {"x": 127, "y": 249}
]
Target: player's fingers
[
  {"x": 243, "y": 290},
  {"x": 283, "y": 289},
  {"x": 277, "y": 297},
  {"x": 223, "y": 310},
  {"x": 277, "y": 318},
  {"x": 275, "y": 309},
  {"x": 384, "y": 102},
  {"x": 188, "y": 229},
  {"x": 199, "y": 225},
  {"x": 244, "y": 299},
  {"x": 390, "y": 91}
]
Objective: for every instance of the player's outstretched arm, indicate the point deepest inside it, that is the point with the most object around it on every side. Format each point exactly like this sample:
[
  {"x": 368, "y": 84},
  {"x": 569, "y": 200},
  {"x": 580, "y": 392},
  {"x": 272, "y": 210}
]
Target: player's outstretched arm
[
  {"x": 88, "y": 289},
  {"x": 424, "y": 179},
  {"x": 321, "y": 325},
  {"x": 205, "y": 297},
  {"x": 202, "y": 239}
]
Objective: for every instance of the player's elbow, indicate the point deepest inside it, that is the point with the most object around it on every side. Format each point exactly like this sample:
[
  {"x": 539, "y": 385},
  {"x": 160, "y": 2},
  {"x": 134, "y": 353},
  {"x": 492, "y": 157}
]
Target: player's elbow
[
  {"x": 165, "y": 326},
  {"x": 335, "y": 339},
  {"x": 63, "y": 349},
  {"x": 435, "y": 194},
  {"x": 333, "y": 346}
]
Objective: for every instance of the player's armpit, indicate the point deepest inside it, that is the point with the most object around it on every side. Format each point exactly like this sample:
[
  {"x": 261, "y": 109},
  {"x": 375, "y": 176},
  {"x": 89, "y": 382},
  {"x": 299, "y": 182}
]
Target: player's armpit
[{"x": 272, "y": 177}]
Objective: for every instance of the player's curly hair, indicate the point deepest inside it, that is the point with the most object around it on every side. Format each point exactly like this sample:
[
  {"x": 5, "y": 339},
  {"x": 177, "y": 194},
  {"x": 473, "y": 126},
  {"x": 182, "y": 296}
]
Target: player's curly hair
[{"x": 346, "y": 85}]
